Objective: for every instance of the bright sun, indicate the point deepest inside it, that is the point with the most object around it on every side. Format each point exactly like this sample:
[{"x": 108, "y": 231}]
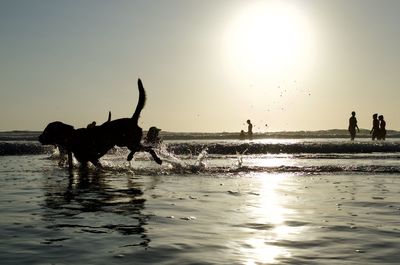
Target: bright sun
[{"x": 269, "y": 38}]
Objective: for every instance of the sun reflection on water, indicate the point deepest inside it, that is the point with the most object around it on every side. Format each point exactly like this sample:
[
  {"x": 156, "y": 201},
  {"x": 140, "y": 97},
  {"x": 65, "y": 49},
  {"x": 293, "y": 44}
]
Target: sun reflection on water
[
  {"x": 262, "y": 252},
  {"x": 268, "y": 210},
  {"x": 269, "y": 160}
]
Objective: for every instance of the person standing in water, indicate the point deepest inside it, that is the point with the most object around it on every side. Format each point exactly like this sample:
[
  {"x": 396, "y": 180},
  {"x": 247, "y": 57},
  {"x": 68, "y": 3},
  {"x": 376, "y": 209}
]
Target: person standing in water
[
  {"x": 382, "y": 128},
  {"x": 353, "y": 125},
  {"x": 375, "y": 126},
  {"x": 242, "y": 135},
  {"x": 250, "y": 130}
]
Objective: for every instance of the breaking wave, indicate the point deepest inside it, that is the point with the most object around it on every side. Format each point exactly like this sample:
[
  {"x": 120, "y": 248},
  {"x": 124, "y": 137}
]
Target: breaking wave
[
  {"x": 234, "y": 147},
  {"x": 23, "y": 148},
  {"x": 285, "y": 148}
]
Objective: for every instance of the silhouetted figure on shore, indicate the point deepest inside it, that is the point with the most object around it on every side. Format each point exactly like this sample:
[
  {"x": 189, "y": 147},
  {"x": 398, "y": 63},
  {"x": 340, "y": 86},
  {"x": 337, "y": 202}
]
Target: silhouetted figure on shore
[
  {"x": 250, "y": 130},
  {"x": 375, "y": 126},
  {"x": 353, "y": 125},
  {"x": 382, "y": 128},
  {"x": 242, "y": 135}
]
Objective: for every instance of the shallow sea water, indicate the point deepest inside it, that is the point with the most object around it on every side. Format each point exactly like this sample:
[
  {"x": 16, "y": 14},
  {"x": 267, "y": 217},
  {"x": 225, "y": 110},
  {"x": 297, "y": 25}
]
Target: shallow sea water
[{"x": 145, "y": 214}]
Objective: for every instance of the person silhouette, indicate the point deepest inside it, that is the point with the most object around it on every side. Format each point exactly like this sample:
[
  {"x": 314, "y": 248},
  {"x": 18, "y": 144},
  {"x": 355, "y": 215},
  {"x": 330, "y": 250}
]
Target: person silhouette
[
  {"x": 382, "y": 128},
  {"x": 375, "y": 126},
  {"x": 353, "y": 125},
  {"x": 249, "y": 130},
  {"x": 242, "y": 135}
]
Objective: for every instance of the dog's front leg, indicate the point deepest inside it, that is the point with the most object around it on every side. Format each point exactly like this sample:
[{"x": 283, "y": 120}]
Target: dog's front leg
[
  {"x": 96, "y": 163},
  {"x": 130, "y": 156},
  {"x": 152, "y": 153},
  {"x": 133, "y": 151},
  {"x": 155, "y": 157},
  {"x": 70, "y": 161}
]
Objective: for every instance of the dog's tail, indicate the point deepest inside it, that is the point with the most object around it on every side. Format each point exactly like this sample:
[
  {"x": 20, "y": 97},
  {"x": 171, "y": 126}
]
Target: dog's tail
[{"x": 141, "y": 101}]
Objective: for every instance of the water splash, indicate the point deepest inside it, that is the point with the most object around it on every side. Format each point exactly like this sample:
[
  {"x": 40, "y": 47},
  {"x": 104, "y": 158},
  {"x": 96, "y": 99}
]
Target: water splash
[
  {"x": 209, "y": 163},
  {"x": 168, "y": 157},
  {"x": 239, "y": 162},
  {"x": 200, "y": 163},
  {"x": 176, "y": 164},
  {"x": 58, "y": 154}
]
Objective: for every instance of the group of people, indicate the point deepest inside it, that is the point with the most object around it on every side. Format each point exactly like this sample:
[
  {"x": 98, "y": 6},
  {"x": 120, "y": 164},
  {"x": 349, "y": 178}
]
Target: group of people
[{"x": 378, "y": 130}]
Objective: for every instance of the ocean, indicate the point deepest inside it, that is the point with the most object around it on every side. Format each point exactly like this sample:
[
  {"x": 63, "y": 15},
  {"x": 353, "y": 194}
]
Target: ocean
[{"x": 282, "y": 198}]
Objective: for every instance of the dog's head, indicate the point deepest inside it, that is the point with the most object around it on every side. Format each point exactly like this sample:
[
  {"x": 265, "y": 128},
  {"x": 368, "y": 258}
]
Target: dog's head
[
  {"x": 56, "y": 133},
  {"x": 152, "y": 134}
]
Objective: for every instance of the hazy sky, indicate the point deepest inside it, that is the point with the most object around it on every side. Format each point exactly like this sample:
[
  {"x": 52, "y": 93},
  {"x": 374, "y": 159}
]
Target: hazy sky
[{"x": 207, "y": 66}]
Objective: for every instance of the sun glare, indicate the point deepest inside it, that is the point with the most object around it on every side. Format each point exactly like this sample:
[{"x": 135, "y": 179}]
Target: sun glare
[
  {"x": 269, "y": 38},
  {"x": 268, "y": 208}
]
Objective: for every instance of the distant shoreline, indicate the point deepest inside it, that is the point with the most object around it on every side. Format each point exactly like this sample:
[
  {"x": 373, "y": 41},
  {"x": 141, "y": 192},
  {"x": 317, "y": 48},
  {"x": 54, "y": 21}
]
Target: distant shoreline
[{"x": 24, "y": 135}]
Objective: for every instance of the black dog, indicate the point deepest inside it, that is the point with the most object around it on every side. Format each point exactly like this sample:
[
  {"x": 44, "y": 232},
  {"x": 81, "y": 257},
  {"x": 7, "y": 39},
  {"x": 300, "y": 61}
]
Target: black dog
[
  {"x": 81, "y": 142},
  {"x": 90, "y": 144}
]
